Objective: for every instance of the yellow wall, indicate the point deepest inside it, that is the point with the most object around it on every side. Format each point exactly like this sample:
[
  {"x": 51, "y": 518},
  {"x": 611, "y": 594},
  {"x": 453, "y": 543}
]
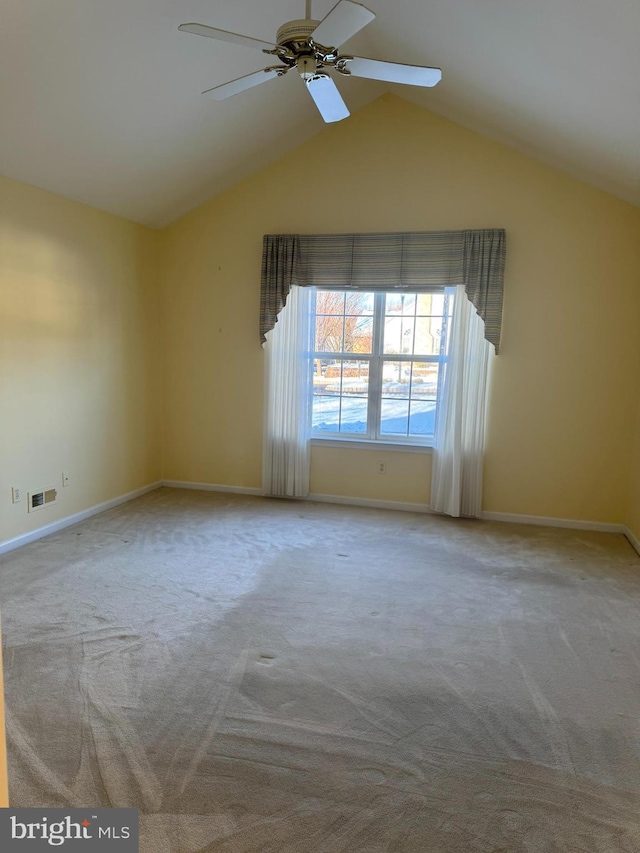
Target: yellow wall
[
  {"x": 348, "y": 473},
  {"x": 565, "y": 386},
  {"x": 81, "y": 345},
  {"x": 79, "y": 355},
  {"x": 633, "y": 516}
]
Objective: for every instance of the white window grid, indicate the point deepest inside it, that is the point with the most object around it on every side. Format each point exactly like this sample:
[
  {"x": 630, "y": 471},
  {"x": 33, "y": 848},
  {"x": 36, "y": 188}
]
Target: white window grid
[{"x": 376, "y": 360}]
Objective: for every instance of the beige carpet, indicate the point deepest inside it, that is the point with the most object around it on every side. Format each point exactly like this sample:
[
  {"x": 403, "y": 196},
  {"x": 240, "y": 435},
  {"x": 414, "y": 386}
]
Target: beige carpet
[{"x": 258, "y": 675}]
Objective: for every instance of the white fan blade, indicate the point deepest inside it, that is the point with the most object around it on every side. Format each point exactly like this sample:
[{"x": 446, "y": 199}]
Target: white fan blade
[
  {"x": 327, "y": 98},
  {"x": 223, "y": 35},
  {"x": 393, "y": 72},
  {"x": 240, "y": 84},
  {"x": 343, "y": 21}
]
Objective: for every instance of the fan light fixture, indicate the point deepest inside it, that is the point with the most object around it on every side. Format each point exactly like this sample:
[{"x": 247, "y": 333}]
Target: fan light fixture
[{"x": 311, "y": 47}]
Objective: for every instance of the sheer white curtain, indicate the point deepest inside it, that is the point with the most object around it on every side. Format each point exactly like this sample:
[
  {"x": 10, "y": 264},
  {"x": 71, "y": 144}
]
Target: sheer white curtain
[
  {"x": 456, "y": 481},
  {"x": 285, "y": 467}
]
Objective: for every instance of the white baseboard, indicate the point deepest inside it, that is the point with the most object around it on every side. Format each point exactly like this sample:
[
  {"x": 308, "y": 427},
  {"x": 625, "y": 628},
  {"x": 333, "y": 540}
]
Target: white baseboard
[
  {"x": 633, "y": 539},
  {"x": 56, "y": 526},
  {"x": 212, "y": 487},
  {"x": 544, "y": 521},
  {"x": 402, "y": 506},
  {"x": 329, "y": 499},
  {"x": 373, "y": 503}
]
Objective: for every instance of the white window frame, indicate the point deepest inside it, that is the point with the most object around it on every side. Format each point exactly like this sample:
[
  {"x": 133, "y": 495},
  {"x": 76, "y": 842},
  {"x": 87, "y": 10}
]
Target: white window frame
[{"x": 372, "y": 438}]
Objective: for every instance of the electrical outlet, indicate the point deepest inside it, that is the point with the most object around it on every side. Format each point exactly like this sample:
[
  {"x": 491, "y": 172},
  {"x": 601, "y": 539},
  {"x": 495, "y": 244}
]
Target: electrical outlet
[
  {"x": 382, "y": 467},
  {"x": 16, "y": 495},
  {"x": 66, "y": 478}
]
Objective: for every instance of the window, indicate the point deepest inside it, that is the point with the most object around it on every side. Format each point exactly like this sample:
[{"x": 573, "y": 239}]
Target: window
[{"x": 378, "y": 363}]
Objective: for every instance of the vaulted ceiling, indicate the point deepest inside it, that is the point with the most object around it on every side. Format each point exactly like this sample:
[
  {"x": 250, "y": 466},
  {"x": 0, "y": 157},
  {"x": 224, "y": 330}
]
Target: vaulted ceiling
[{"x": 100, "y": 101}]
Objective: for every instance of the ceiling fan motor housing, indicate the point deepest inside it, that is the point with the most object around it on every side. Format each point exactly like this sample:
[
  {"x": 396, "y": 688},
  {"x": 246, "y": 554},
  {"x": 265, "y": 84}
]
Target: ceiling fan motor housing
[{"x": 296, "y": 34}]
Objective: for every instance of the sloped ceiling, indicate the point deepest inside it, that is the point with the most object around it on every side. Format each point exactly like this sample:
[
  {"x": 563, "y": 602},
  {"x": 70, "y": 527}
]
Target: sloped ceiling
[{"x": 100, "y": 101}]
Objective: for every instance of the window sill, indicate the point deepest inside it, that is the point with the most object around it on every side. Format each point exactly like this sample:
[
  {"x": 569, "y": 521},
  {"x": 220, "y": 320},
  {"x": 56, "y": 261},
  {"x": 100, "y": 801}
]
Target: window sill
[{"x": 369, "y": 444}]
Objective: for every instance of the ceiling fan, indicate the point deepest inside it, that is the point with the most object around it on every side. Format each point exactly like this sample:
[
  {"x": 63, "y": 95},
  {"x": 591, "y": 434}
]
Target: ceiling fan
[{"x": 311, "y": 47}]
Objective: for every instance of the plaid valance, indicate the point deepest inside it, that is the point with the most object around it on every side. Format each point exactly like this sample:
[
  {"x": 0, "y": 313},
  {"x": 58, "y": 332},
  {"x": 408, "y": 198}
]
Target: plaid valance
[{"x": 410, "y": 261}]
